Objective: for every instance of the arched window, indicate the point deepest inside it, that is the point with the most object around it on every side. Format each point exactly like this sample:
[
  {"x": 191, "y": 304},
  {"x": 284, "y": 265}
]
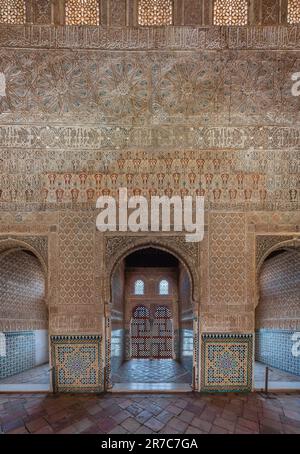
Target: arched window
[
  {"x": 293, "y": 12},
  {"x": 140, "y": 312},
  {"x": 139, "y": 287},
  {"x": 12, "y": 12},
  {"x": 82, "y": 12},
  {"x": 164, "y": 287},
  {"x": 155, "y": 12},
  {"x": 231, "y": 12},
  {"x": 162, "y": 312}
]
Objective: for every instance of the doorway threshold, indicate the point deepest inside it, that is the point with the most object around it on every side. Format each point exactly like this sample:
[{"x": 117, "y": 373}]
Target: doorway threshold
[
  {"x": 151, "y": 388},
  {"x": 25, "y": 388}
]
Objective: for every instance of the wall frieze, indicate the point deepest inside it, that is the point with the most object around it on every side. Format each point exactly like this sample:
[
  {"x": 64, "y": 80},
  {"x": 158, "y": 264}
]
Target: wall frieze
[
  {"x": 160, "y": 137},
  {"x": 155, "y": 38}
]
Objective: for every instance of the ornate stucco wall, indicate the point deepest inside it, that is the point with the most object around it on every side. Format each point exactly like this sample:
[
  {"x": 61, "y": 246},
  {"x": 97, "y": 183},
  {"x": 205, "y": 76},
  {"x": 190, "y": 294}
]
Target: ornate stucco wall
[{"x": 180, "y": 110}]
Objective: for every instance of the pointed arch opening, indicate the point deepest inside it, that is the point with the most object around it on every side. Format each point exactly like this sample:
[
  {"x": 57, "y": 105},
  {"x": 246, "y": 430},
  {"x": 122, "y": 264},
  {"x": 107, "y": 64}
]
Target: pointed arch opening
[
  {"x": 24, "y": 320},
  {"x": 277, "y": 318},
  {"x": 152, "y": 333}
]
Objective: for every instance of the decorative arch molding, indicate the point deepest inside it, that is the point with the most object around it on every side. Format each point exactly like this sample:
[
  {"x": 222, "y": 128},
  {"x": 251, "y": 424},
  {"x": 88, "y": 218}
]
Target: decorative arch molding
[
  {"x": 118, "y": 247},
  {"x": 265, "y": 245}
]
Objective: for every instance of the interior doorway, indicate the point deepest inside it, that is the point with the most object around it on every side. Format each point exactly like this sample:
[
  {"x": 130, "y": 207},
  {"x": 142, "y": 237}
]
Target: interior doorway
[
  {"x": 24, "y": 344},
  {"x": 152, "y": 323}
]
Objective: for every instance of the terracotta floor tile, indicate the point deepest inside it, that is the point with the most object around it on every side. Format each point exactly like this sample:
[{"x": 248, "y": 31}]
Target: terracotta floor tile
[
  {"x": 118, "y": 430},
  {"x": 218, "y": 430},
  {"x": 164, "y": 416},
  {"x": 178, "y": 424},
  {"x": 35, "y": 424},
  {"x": 154, "y": 424},
  {"x": 144, "y": 416},
  {"x": 106, "y": 425},
  {"x": 20, "y": 431},
  {"x": 131, "y": 425},
  {"x": 225, "y": 424},
  {"x": 186, "y": 416},
  {"x": 169, "y": 414},
  {"x": 203, "y": 425}
]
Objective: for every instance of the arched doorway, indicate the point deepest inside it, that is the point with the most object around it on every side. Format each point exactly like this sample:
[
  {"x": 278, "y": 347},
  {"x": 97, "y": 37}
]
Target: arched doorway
[
  {"x": 24, "y": 356},
  {"x": 277, "y": 318},
  {"x": 152, "y": 322}
]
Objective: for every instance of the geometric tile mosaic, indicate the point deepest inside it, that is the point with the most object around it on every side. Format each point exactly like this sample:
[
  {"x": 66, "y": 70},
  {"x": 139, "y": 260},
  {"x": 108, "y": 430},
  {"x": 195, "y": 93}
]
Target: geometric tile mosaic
[
  {"x": 226, "y": 362},
  {"x": 77, "y": 363}
]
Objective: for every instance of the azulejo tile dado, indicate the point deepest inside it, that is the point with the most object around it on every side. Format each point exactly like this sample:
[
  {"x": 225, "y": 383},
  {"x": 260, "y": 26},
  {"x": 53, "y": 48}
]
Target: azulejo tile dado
[
  {"x": 226, "y": 362},
  {"x": 77, "y": 363}
]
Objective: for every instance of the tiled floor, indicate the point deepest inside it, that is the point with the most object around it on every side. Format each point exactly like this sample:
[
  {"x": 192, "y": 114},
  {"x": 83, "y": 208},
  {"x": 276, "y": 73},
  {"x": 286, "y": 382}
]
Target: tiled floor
[
  {"x": 152, "y": 371},
  {"x": 275, "y": 375},
  {"x": 144, "y": 371},
  {"x": 38, "y": 375},
  {"x": 145, "y": 414}
]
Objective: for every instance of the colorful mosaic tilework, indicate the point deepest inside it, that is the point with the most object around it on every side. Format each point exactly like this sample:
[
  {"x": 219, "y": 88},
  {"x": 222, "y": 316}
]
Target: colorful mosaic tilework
[
  {"x": 77, "y": 363},
  {"x": 226, "y": 362}
]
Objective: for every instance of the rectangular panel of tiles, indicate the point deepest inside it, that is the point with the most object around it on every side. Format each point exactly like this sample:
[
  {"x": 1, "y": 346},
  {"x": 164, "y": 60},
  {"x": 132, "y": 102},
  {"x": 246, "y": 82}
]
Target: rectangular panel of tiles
[
  {"x": 77, "y": 362},
  {"x": 226, "y": 362}
]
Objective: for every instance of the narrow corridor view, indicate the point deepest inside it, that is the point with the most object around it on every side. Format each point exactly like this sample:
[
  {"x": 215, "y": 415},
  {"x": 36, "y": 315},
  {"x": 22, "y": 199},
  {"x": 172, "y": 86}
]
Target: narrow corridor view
[{"x": 152, "y": 322}]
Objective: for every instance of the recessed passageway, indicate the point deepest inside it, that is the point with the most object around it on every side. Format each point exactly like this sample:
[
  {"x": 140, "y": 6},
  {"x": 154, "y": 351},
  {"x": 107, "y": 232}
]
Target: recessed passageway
[
  {"x": 152, "y": 323},
  {"x": 277, "y": 320}
]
